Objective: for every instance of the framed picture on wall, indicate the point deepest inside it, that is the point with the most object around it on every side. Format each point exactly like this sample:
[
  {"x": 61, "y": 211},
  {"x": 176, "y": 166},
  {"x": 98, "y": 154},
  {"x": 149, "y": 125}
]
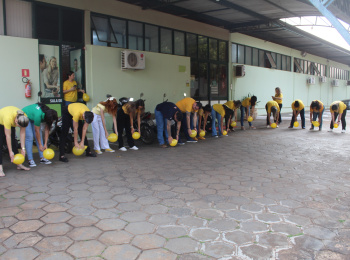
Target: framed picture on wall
[{"x": 49, "y": 60}]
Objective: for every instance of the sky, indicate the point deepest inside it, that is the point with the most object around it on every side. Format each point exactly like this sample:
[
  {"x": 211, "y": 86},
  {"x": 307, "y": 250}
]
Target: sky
[{"x": 322, "y": 30}]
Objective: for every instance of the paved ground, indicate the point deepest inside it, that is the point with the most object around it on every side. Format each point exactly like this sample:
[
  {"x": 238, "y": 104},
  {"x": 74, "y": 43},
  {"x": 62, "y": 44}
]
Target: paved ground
[{"x": 257, "y": 194}]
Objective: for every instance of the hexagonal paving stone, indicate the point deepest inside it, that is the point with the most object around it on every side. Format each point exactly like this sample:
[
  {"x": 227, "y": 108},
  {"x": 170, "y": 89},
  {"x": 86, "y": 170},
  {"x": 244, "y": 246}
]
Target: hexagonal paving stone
[
  {"x": 268, "y": 218},
  {"x": 129, "y": 206},
  {"x": 239, "y": 237},
  {"x": 256, "y": 252},
  {"x": 20, "y": 254},
  {"x": 286, "y": 229},
  {"x": 103, "y": 214},
  {"x": 111, "y": 224},
  {"x": 56, "y": 217},
  {"x": 191, "y": 222},
  {"x": 51, "y": 230},
  {"x": 84, "y": 233},
  {"x": 210, "y": 214},
  {"x": 83, "y": 210},
  {"x": 254, "y": 227},
  {"x": 54, "y": 244},
  {"x": 22, "y": 240},
  {"x": 33, "y": 205},
  {"x": 134, "y": 216},
  {"x": 157, "y": 254},
  {"x": 115, "y": 237},
  {"x": 30, "y": 214},
  {"x": 308, "y": 243},
  {"x": 172, "y": 231},
  {"x": 8, "y": 212},
  {"x": 182, "y": 245},
  {"x": 320, "y": 232},
  {"x": 36, "y": 196},
  {"x": 86, "y": 248},
  {"x": 163, "y": 219},
  {"x": 307, "y": 212},
  {"x": 273, "y": 240},
  {"x": 219, "y": 249},
  {"x": 148, "y": 241},
  {"x": 83, "y": 221},
  {"x": 139, "y": 228},
  {"x": 155, "y": 209},
  {"x": 239, "y": 215},
  {"x": 5, "y": 234},
  {"x": 204, "y": 234},
  {"x": 26, "y": 226},
  {"x": 121, "y": 252},
  {"x": 55, "y": 256},
  {"x": 57, "y": 207},
  {"x": 148, "y": 200},
  {"x": 298, "y": 220},
  {"x": 223, "y": 225},
  {"x": 104, "y": 204},
  {"x": 253, "y": 208},
  {"x": 124, "y": 198}
]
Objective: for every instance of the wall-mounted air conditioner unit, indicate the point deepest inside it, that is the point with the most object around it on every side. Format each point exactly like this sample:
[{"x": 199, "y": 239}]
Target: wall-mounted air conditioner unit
[
  {"x": 310, "y": 81},
  {"x": 133, "y": 60},
  {"x": 323, "y": 79},
  {"x": 335, "y": 83},
  {"x": 240, "y": 71}
]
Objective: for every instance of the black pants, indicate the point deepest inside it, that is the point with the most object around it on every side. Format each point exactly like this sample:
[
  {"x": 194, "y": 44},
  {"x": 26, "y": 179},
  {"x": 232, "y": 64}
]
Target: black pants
[
  {"x": 343, "y": 122},
  {"x": 124, "y": 123},
  {"x": 302, "y": 115},
  {"x": 67, "y": 122},
  {"x": 3, "y": 139},
  {"x": 268, "y": 117},
  {"x": 279, "y": 116}
]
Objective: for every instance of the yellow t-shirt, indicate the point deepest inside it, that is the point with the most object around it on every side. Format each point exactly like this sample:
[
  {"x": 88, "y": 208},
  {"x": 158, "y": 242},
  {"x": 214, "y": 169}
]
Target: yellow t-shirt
[
  {"x": 200, "y": 112},
  {"x": 8, "y": 116},
  {"x": 97, "y": 109},
  {"x": 185, "y": 105},
  {"x": 220, "y": 109},
  {"x": 71, "y": 96},
  {"x": 301, "y": 105},
  {"x": 77, "y": 110},
  {"x": 321, "y": 107},
  {"x": 271, "y": 104},
  {"x": 341, "y": 107},
  {"x": 279, "y": 101},
  {"x": 230, "y": 105},
  {"x": 247, "y": 102}
]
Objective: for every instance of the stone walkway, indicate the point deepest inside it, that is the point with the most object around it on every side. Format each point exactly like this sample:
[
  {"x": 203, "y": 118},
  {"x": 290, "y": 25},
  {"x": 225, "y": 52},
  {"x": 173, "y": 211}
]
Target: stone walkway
[{"x": 257, "y": 194}]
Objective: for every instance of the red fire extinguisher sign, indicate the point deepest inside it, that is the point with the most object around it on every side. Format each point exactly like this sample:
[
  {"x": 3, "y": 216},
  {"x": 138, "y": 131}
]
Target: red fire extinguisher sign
[{"x": 25, "y": 73}]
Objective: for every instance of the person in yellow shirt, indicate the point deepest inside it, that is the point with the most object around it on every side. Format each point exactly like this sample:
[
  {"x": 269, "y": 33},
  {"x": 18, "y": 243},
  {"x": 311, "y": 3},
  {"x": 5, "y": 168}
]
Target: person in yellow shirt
[
  {"x": 203, "y": 113},
  {"x": 316, "y": 110},
  {"x": 233, "y": 105},
  {"x": 78, "y": 117},
  {"x": 10, "y": 117},
  {"x": 70, "y": 90},
  {"x": 298, "y": 108},
  {"x": 220, "y": 112},
  {"x": 187, "y": 106},
  {"x": 248, "y": 106},
  {"x": 278, "y": 98},
  {"x": 125, "y": 119},
  {"x": 338, "y": 109},
  {"x": 272, "y": 107}
]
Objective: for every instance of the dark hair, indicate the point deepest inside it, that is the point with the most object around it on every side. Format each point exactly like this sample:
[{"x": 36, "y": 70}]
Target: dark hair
[
  {"x": 41, "y": 57},
  {"x": 178, "y": 116},
  {"x": 315, "y": 104},
  {"x": 253, "y": 100},
  {"x": 140, "y": 103},
  {"x": 22, "y": 120},
  {"x": 237, "y": 103},
  {"x": 228, "y": 111},
  {"x": 75, "y": 60},
  {"x": 334, "y": 107},
  {"x": 89, "y": 117},
  {"x": 274, "y": 110},
  {"x": 207, "y": 108},
  {"x": 70, "y": 73},
  {"x": 296, "y": 103},
  {"x": 199, "y": 104},
  {"x": 50, "y": 114}
]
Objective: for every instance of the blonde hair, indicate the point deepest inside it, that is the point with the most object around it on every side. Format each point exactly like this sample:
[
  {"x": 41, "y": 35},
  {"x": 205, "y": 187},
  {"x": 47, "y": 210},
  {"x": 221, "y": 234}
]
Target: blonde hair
[
  {"x": 22, "y": 120},
  {"x": 278, "y": 90}
]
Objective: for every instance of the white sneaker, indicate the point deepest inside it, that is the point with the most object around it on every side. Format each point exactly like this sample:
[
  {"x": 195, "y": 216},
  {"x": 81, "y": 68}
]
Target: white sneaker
[
  {"x": 277, "y": 126},
  {"x": 268, "y": 126},
  {"x": 122, "y": 149},
  {"x": 31, "y": 163},
  {"x": 45, "y": 161},
  {"x": 134, "y": 148},
  {"x": 98, "y": 152},
  {"x": 343, "y": 131},
  {"x": 109, "y": 150}
]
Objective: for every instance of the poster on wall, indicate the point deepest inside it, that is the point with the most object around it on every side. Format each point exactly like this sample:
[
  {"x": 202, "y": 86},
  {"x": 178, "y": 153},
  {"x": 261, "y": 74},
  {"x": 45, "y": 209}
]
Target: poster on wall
[
  {"x": 49, "y": 73},
  {"x": 76, "y": 66}
]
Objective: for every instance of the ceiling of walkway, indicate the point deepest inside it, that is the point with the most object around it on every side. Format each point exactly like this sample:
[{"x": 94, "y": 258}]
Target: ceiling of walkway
[{"x": 260, "y": 19}]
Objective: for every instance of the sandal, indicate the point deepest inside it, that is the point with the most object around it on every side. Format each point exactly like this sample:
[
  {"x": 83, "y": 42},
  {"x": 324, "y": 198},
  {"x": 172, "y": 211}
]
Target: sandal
[
  {"x": 2, "y": 174},
  {"x": 63, "y": 159}
]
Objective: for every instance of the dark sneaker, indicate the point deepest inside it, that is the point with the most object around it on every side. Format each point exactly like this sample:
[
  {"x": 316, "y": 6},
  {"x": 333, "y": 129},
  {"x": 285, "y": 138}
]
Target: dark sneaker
[{"x": 63, "y": 159}]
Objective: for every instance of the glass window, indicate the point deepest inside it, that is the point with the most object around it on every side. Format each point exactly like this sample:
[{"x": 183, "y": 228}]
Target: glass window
[
  {"x": 213, "y": 49},
  {"x": 261, "y": 58},
  {"x": 279, "y": 61},
  {"x": 194, "y": 80},
  {"x": 284, "y": 62},
  {"x": 119, "y": 28},
  {"x": 222, "y": 80},
  {"x": 47, "y": 22},
  {"x": 223, "y": 51},
  {"x": 191, "y": 45},
  {"x": 102, "y": 29},
  {"x": 179, "y": 41},
  {"x": 95, "y": 40},
  {"x": 255, "y": 57},
  {"x": 289, "y": 63},
  {"x": 240, "y": 54},
  {"x": 274, "y": 57},
  {"x": 270, "y": 62},
  {"x": 1, "y": 18},
  {"x": 203, "y": 80},
  {"x": 202, "y": 47},
  {"x": 214, "y": 81},
  {"x": 72, "y": 24},
  {"x": 135, "y": 35},
  {"x": 151, "y": 38},
  {"x": 166, "y": 41},
  {"x": 297, "y": 67},
  {"x": 234, "y": 53},
  {"x": 248, "y": 55},
  {"x": 18, "y": 18}
]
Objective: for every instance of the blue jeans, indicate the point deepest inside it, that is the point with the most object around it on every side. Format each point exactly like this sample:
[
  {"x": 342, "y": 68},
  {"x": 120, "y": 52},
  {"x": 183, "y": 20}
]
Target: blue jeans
[
  {"x": 314, "y": 117},
  {"x": 66, "y": 103},
  {"x": 184, "y": 127},
  {"x": 215, "y": 115},
  {"x": 161, "y": 127},
  {"x": 242, "y": 114},
  {"x": 30, "y": 134}
]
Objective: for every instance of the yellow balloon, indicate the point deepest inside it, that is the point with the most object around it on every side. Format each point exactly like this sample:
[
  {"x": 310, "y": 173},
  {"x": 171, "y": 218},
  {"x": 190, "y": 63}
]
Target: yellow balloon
[
  {"x": 296, "y": 124},
  {"x": 224, "y": 132},
  {"x": 202, "y": 133},
  {"x": 335, "y": 125},
  {"x": 193, "y": 133},
  {"x": 48, "y": 154},
  {"x": 77, "y": 151},
  {"x": 273, "y": 125},
  {"x": 18, "y": 159},
  {"x": 250, "y": 119},
  {"x": 86, "y": 97},
  {"x": 233, "y": 124},
  {"x": 113, "y": 137},
  {"x": 173, "y": 142},
  {"x": 316, "y": 123},
  {"x": 136, "y": 135}
]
